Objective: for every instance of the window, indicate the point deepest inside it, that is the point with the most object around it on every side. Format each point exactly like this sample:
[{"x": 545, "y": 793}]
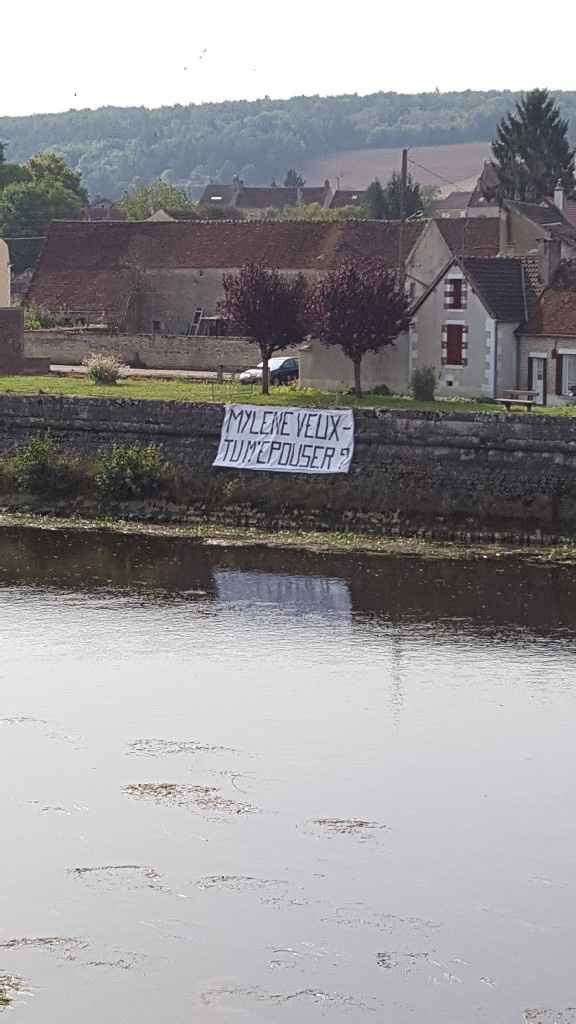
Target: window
[
  {"x": 454, "y": 345},
  {"x": 568, "y": 375},
  {"x": 455, "y": 293},
  {"x": 156, "y": 326}
]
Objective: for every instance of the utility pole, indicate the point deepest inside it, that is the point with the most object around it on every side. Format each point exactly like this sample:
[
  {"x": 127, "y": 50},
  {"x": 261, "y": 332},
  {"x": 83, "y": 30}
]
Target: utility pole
[{"x": 403, "y": 184}]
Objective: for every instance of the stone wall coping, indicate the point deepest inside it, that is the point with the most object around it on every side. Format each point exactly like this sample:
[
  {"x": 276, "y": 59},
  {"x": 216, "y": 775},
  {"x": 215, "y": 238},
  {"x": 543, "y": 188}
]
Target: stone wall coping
[{"x": 512, "y": 426}]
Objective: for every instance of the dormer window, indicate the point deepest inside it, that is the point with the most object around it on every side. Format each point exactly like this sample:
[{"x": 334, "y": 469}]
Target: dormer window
[{"x": 455, "y": 293}]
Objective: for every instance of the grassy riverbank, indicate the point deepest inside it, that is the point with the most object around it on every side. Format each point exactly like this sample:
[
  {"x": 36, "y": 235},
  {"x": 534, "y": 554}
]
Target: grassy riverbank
[
  {"x": 212, "y": 535},
  {"x": 186, "y": 390}
]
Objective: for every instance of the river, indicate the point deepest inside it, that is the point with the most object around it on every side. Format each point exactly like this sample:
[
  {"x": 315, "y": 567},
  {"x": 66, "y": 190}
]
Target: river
[{"x": 272, "y": 787}]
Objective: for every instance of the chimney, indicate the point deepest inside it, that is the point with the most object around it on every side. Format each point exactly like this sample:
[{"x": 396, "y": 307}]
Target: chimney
[
  {"x": 549, "y": 258},
  {"x": 505, "y": 243},
  {"x": 559, "y": 196}
]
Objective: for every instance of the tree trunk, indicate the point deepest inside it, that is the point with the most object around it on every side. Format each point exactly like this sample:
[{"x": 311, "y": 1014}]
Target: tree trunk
[
  {"x": 265, "y": 376},
  {"x": 357, "y": 378}
]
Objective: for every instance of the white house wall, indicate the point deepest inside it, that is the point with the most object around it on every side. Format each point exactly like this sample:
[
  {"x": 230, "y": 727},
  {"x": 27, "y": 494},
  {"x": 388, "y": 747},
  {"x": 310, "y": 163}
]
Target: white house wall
[
  {"x": 428, "y": 257},
  {"x": 490, "y": 362},
  {"x": 507, "y": 357},
  {"x": 4, "y": 275},
  {"x": 328, "y": 369}
]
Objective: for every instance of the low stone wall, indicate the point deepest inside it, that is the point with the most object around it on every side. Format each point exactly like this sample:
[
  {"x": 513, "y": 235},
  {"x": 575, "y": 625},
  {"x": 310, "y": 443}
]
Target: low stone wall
[
  {"x": 469, "y": 471},
  {"x": 69, "y": 346}
]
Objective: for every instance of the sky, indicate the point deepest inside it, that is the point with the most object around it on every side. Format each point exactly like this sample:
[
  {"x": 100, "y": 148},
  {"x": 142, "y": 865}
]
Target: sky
[{"x": 128, "y": 53}]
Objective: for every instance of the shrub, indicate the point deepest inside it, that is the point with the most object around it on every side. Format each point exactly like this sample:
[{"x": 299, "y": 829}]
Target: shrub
[
  {"x": 37, "y": 319},
  {"x": 424, "y": 384},
  {"x": 38, "y": 467},
  {"x": 102, "y": 369},
  {"x": 130, "y": 471}
]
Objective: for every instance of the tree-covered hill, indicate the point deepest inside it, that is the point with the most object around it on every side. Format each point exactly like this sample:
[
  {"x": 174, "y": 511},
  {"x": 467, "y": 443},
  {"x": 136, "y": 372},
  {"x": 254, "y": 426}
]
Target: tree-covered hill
[{"x": 115, "y": 148}]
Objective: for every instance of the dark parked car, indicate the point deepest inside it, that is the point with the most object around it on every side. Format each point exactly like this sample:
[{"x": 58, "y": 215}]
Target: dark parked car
[{"x": 282, "y": 371}]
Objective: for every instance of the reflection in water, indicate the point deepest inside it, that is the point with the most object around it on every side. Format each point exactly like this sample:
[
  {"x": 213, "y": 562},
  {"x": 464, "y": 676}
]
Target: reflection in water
[
  {"x": 305, "y": 595},
  {"x": 283, "y": 787}
]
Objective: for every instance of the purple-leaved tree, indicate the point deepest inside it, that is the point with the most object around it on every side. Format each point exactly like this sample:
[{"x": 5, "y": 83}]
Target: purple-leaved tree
[
  {"x": 268, "y": 307},
  {"x": 361, "y": 307}
]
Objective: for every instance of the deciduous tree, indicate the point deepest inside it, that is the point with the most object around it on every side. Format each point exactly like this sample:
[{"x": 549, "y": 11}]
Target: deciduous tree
[
  {"x": 360, "y": 307},
  {"x": 531, "y": 150},
  {"x": 143, "y": 201},
  {"x": 49, "y": 170},
  {"x": 26, "y": 209},
  {"x": 268, "y": 307}
]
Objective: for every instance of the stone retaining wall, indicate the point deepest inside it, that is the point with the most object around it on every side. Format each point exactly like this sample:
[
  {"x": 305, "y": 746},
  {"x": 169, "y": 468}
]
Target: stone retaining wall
[
  {"x": 477, "y": 471},
  {"x": 69, "y": 346}
]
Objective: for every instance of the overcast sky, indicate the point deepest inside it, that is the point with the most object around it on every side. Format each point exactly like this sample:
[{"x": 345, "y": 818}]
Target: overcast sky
[{"x": 67, "y": 53}]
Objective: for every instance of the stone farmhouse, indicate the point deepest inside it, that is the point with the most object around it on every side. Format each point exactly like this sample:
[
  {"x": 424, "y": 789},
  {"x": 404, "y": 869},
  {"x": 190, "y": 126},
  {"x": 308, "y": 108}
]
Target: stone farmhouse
[{"x": 165, "y": 277}]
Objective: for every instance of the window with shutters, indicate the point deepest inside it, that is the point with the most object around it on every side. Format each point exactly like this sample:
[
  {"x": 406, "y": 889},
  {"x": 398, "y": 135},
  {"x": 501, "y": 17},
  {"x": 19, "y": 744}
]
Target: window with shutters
[
  {"x": 455, "y": 293},
  {"x": 454, "y": 345},
  {"x": 569, "y": 375}
]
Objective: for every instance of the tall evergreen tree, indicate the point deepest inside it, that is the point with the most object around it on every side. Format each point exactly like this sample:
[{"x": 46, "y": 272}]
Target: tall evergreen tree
[
  {"x": 386, "y": 203},
  {"x": 374, "y": 201},
  {"x": 293, "y": 179},
  {"x": 531, "y": 150}
]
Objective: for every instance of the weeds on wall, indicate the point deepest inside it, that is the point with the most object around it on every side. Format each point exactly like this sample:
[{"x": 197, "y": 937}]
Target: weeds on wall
[
  {"x": 38, "y": 467},
  {"x": 123, "y": 473},
  {"x": 131, "y": 471}
]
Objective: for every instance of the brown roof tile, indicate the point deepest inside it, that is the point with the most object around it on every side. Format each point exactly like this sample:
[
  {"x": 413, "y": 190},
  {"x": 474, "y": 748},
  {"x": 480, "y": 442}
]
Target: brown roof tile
[
  {"x": 313, "y": 194},
  {"x": 92, "y": 265},
  {"x": 347, "y": 197},
  {"x": 218, "y": 195},
  {"x": 554, "y": 314},
  {"x": 266, "y": 198},
  {"x": 470, "y": 236},
  {"x": 97, "y": 294},
  {"x": 569, "y": 211}
]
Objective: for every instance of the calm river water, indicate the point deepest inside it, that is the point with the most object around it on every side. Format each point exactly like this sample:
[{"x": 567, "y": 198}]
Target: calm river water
[{"x": 276, "y": 787}]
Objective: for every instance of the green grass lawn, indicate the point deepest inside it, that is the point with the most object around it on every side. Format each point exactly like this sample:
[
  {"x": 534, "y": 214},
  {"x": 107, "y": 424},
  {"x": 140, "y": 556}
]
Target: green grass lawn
[{"x": 197, "y": 391}]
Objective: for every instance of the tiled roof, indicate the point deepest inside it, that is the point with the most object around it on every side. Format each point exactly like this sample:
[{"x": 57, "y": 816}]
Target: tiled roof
[
  {"x": 548, "y": 217},
  {"x": 569, "y": 211},
  {"x": 540, "y": 213},
  {"x": 97, "y": 293},
  {"x": 75, "y": 245},
  {"x": 265, "y": 198},
  {"x": 471, "y": 236},
  {"x": 565, "y": 276},
  {"x": 218, "y": 195},
  {"x": 260, "y": 197},
  {"x": 501, "y": 284},
  {"x": 313, "y": 194},
  {"x": 93, "y": 265},
  {"x": 554, "y": 314},
  {"x": 508, "y": 287},
  {"x": 453, "y": 201},
  {"x": 347, "y": 197}
]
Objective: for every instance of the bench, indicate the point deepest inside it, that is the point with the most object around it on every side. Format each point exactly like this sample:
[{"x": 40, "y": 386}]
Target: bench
[{"x": 510, "y": 399}]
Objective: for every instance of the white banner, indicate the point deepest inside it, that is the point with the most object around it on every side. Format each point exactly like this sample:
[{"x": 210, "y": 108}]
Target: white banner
[{"x": 286, "y": 440}]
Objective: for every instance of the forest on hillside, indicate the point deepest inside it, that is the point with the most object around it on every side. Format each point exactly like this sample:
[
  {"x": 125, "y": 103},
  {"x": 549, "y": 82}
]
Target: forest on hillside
[{"x": 118, "y": 148}]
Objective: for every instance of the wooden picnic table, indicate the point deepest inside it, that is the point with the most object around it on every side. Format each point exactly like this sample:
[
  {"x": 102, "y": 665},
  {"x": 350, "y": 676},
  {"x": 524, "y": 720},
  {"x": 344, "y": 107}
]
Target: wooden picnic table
[{"x": 512, "y": 398}]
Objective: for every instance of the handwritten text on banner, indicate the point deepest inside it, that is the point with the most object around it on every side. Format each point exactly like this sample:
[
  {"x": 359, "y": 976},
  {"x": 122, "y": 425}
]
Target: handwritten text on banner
[{"x": 286, "y": 440}]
